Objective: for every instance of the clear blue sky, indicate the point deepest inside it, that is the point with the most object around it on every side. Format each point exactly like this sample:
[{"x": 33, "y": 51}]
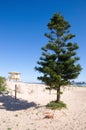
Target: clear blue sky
[{"x": 23, "y": 24}]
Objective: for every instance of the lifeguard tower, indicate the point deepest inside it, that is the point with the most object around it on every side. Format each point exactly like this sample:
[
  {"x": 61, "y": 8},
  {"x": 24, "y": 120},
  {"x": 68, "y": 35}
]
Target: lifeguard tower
[{"x": 14, "y": 76}]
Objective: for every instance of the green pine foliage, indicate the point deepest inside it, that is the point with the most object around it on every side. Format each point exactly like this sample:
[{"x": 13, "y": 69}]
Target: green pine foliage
[{"x": 58, "y": 63}]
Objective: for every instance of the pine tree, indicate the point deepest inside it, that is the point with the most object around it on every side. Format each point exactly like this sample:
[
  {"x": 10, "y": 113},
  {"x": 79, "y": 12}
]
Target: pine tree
[{"x": 58, "y": 61}]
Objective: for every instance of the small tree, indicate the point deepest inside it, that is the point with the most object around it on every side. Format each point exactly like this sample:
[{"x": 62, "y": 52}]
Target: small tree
[
  {"x": 58, "y": 60},
  {"x": 2, "y": 84}
]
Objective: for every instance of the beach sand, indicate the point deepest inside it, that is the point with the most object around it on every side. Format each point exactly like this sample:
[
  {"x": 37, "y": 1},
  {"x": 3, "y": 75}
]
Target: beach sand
[{"x": 28, "y": 111}]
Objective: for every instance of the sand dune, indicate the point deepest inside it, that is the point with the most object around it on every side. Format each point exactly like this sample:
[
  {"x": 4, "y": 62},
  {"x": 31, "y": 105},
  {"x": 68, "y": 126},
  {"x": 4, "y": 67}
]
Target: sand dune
[{"x": 28, "y": 111}]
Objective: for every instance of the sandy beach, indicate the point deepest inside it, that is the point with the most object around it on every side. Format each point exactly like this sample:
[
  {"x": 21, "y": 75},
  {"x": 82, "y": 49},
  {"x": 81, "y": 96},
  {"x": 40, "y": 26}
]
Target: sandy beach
[{"x": 28, "y": 111}]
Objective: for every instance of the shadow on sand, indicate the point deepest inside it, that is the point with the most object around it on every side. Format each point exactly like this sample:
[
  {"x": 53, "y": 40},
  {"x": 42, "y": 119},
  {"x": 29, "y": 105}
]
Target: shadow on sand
[{"x": 11, "y": 104}]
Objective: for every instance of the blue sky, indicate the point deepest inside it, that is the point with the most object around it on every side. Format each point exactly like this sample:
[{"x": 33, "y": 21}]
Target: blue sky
[{"x": 23, "y": 24}]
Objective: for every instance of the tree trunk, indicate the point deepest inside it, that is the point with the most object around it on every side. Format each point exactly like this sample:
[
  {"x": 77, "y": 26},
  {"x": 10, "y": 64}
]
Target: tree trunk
[
  {"x": 58, "y": 94},
  {"x": 50, "y": 90}
]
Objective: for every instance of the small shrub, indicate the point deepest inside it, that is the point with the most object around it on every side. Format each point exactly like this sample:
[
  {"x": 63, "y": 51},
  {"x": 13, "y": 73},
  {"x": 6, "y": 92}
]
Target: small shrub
[
  {"x": 2, "y": 84},
  {"x": 55, "y": 105},
  {"x": 9, "y": 129}
]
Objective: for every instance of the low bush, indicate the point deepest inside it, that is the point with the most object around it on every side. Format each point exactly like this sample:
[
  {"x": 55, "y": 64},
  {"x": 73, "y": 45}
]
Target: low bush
[
  {"x": 2, "y": 84},
  {"x": 55, "y": 105}
]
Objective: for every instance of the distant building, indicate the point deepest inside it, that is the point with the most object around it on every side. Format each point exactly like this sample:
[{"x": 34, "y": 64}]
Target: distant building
[{"x": 15, "y": 76}]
